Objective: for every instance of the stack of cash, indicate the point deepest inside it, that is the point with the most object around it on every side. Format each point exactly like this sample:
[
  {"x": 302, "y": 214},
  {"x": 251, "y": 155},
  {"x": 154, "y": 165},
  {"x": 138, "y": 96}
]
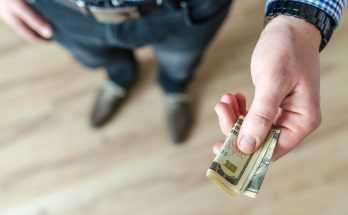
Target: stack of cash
[{"x": 236, "y": 172}]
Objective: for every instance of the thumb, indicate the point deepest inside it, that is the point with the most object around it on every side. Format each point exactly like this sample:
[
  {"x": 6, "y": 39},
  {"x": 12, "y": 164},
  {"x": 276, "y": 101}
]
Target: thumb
[{"x": 259, "y": 119}]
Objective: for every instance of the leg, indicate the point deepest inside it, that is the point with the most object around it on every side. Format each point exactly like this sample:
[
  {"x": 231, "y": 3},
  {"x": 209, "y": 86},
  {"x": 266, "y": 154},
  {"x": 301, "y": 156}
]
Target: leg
[
  {"x": 176, "y": 68},
  {"x": 86, "y": 40},
  {"x": 122, "y": 70},
  {"x": 181, "y": 52}
]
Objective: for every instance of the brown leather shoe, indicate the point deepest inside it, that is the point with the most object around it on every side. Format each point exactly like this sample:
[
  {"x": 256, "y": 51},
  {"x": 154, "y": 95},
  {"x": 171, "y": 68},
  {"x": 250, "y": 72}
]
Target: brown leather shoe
[
  {"x": 109, "y": 99},
  {"x": 179, "y": 116}
]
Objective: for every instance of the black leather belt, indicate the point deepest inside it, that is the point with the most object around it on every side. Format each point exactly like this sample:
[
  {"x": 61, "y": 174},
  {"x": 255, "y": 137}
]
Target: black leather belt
[{"x": 117, "y": 11}]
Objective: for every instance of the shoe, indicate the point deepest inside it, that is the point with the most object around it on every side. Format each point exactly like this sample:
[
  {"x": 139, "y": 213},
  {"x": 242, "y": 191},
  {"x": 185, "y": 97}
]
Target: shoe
[
  {"x": 178, "y": 116},
  {"x": 108, "y": 101}
]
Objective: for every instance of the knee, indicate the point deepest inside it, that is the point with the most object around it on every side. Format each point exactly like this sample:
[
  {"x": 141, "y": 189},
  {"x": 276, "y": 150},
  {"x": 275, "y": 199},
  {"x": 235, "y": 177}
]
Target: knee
[
  {"x": 179, "y": 65},
  {"x": 179, "y": 60}
]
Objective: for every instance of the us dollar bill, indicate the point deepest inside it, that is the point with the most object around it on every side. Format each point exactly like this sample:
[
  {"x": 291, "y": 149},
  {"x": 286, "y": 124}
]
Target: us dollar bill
[
  {"x": 256, "y": 181},
  {"x": 236, "y": 172}
]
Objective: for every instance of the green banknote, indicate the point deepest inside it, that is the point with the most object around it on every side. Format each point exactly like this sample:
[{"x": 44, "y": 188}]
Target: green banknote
[{"x": 236, "y": 172}]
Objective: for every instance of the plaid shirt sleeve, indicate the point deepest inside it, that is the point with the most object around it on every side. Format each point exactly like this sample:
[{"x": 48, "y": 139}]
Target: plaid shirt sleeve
[{"x": 333, "y": 8}]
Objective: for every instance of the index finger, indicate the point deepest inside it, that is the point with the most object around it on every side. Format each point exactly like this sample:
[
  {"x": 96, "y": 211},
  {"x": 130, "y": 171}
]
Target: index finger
[{"x": 24, "y": 12}]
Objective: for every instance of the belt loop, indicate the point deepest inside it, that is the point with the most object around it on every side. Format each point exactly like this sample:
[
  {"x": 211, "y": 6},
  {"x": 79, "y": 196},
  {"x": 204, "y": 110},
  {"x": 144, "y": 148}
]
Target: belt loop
[
  {"x": 83, "y": 7},
  {"x": 117, "y": 2}
]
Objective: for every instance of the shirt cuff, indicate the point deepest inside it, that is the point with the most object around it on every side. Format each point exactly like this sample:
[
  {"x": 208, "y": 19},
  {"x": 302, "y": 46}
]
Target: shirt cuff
[{"x": 333, "y": 8}]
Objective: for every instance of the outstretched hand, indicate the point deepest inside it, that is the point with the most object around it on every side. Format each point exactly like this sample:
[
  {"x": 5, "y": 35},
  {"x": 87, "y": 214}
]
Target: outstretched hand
[{"x": 285, "y": 73}]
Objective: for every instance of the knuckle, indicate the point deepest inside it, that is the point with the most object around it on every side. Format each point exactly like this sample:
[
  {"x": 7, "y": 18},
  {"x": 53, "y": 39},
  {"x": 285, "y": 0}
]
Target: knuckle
[
  {"x": 263, "y": 111},
  {"x": 218, "y": 106},
  {"x": 225, "y": 96},
  {"x": 261, "y": 119},
  {"x": 239, "y": 94},
  {"x": 314, "y": 120}
]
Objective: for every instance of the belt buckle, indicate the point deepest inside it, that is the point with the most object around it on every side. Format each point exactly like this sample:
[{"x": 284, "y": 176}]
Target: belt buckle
[{"x": 114, "y": 15}]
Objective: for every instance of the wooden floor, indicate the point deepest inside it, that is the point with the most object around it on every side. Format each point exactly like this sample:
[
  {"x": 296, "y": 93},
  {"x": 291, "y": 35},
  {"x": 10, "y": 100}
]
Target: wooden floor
[{"x": 53, "y": 163}]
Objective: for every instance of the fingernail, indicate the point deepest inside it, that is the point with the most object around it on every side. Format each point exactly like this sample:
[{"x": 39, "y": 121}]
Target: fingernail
[
  {"x": 247, "y": 144},
  {"x": 46, "y": 32}
]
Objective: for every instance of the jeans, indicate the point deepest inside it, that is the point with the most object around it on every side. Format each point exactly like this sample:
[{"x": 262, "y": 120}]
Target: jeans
[{"x": 179, "y": 37}]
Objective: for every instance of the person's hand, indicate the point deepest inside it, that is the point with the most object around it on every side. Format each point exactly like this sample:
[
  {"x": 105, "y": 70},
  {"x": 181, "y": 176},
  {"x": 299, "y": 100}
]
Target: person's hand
[
  {"x": 285, "y": 72},
  {"x": 24, "y": 20}
]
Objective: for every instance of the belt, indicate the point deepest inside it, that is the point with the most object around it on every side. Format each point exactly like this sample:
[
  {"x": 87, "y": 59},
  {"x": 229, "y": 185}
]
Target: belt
[{"x": 117, "y": 11}]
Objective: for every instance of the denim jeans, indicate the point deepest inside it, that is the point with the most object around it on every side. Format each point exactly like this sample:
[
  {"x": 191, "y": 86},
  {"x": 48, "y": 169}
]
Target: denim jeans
[{"x": 179, "y": 37}]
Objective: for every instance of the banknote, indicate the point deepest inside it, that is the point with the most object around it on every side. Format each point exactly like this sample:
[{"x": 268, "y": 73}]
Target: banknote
[
  {"x": 236, "y": 172},
  {"x": 256, "y": 181}
]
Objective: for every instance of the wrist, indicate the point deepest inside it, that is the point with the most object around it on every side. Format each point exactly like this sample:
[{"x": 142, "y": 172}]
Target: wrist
[{"x": 296, "y": 29}]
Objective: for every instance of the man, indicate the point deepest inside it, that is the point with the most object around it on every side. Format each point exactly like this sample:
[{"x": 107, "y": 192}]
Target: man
[
  {"x": 285, "y": 72},
  {"x": 104, "y": 33}
]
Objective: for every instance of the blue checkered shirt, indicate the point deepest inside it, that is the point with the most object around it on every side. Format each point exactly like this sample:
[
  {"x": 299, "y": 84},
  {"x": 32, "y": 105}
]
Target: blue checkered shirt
[{"x": 333, "y": 8}]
